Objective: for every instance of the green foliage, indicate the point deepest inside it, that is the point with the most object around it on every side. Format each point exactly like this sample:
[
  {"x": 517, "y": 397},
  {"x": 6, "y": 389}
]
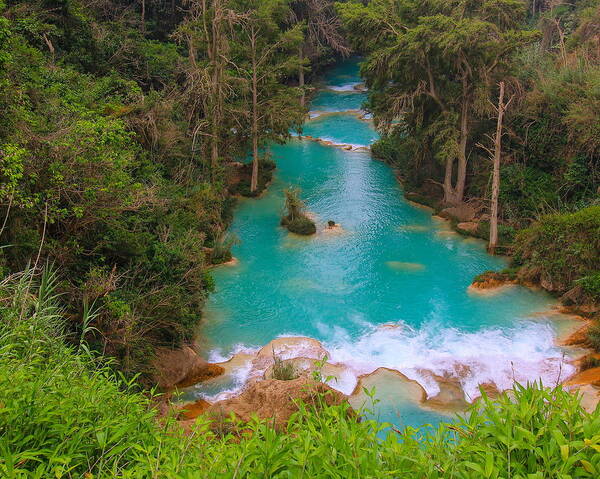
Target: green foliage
[
  {"x": 105, "y": 166},
  {"x": 221, "y": 251},
  {"x": 282, "y": 370},
  {"x": 65, "y": 414},
  {"x": 295, "y": 219},
  {"x": 591, "y": 286},
  {"x": 560, "y": 249},
  {"x": 593, "y": 336}
]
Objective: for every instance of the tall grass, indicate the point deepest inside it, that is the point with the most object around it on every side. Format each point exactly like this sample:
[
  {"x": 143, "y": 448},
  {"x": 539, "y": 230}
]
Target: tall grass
[{"x": 64, "y": 414}]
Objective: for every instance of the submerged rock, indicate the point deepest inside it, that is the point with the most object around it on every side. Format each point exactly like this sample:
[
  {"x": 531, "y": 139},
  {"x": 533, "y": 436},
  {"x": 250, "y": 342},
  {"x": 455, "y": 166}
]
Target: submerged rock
[
  {"x": 405, "y": 266},
  {"x": 390, "y": 384},
  {"x": 180, "y": 368}
]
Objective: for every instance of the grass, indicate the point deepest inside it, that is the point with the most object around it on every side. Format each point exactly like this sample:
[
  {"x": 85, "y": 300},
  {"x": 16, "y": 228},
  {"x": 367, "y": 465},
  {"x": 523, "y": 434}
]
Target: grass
[
  {"x": 64, "y": 413},
  {"x": 282, "y": 370}
]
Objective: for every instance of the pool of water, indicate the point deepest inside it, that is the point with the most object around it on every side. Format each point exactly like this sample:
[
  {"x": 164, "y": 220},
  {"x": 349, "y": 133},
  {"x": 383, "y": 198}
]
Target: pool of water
[{"x": 389, "y": 290}]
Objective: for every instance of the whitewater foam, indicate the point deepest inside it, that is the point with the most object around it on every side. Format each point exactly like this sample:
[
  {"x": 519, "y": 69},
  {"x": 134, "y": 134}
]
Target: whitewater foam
[{"x": 525, "y": 352}]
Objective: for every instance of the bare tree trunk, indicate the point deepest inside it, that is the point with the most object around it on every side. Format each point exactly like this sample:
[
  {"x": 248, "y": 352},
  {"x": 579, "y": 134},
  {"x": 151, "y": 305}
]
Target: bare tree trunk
[
  {"x": 449, "y": 193},
  {"x": 254, "y": 180},
  {"x": 216, "y": 86},
  {"x": 461, "y": 174},
  {"x": 143, "y": 16},
  {"x": 496, "y": 175},
  {"x": 301, "y": 76}
]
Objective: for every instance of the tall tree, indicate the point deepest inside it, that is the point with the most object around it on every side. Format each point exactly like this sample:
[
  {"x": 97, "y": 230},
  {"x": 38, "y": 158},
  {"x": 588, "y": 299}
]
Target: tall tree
[
  {"x": 501, "y": 108},
  {"x": 266, "y": 56},
  {"x": 323, "y": 29},
  {"x": 205, "y": 32},
  {"x": 430, "y": 61}
]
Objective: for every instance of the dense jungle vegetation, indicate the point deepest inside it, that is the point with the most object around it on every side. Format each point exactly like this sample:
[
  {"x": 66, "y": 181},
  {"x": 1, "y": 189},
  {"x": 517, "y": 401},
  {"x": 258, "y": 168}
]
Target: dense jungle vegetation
[{"x": 122, "y": 124}]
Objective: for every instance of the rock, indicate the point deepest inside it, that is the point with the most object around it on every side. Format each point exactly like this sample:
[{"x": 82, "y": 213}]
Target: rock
[
  {"x": 293, "y": 347},
  {"x": 491, "y": 279},
  {"x": 578, "y": 338},
  {"x": 451, "y": 397},
  {"x": 589, "y": 376},
  {"x": 405, "y": 266},
  {"x": 468, "y": 226},
  {"x": 179, "y": 368},
  {"x": 192, "y": 410},
  {"x": 461, "y": 213},
  {"x": 490, "y": 389},
  {"x": 590, "y": 397},
  {"x": 274, "y": 400}
]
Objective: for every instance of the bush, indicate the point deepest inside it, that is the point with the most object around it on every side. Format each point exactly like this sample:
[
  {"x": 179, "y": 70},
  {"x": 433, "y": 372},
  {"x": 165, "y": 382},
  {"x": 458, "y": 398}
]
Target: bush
[
  {"x": 593, "y": 335},
  {"x": 301, "y": 225},
  {"x": 221, "y": 252},
  {"x": 591, "y": 286},
  {"x": 295, "y": 219},
  {"x": 283, "y": 370},
  {"x": 560, "y": 249}
]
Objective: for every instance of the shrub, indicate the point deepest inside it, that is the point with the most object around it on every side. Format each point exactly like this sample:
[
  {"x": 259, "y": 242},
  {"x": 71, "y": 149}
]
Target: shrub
[
  {"x": 591, "y": 286},
  {"x": 560, "y": 249},
  {"x": 301, "y": 225},
  {"x": 283, "y": 370},
  {"x": 295, "y": 219},
  {"x": 593, "y": 335},
  {"x": 221, "y": 252}
]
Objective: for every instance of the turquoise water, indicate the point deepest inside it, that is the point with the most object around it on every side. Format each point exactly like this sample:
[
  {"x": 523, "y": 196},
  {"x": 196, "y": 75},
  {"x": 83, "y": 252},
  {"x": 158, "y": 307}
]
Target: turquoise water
[{"x": 392, "y": 265}]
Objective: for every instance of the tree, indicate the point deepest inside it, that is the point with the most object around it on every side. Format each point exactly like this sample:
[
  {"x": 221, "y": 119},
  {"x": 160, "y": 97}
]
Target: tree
[
  {"x": 493, "y": 243},
  {"x": 430, "y": 61},
  {"x": 264, "y": 57},
  {"x": 323, "y": 29},
  {"x": 204, "y": 31}
]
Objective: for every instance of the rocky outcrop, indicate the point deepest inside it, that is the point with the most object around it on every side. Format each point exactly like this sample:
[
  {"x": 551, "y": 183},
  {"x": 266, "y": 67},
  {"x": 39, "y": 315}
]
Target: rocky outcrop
[
  {"x": 192, "y": 410},
  {"x": 462, "y": 213},
  {"x": 491, "y": 279},
  {"x": 589, "y": 376},
  {"x": 578, "y": 338},
  {"x": 470, "y": 227},
  {"x": 180, "y": 368},
  {"x": 296, "y": 346},
  {"x": 274, "y": 400},
  {"x": 450, "y": 399}
]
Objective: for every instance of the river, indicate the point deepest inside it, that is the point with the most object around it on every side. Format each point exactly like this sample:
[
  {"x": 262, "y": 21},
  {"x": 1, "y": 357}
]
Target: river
[{"x": 389, "y": 290}]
